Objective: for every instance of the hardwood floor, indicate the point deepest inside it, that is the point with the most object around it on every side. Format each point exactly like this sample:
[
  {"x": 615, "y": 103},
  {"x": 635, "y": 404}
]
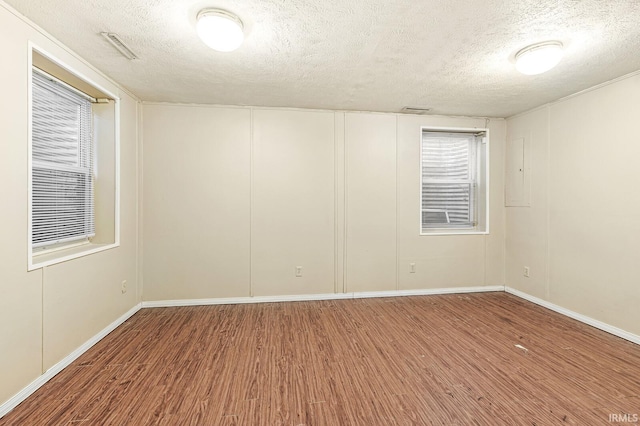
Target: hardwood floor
[{"x": 440, "y": 360}]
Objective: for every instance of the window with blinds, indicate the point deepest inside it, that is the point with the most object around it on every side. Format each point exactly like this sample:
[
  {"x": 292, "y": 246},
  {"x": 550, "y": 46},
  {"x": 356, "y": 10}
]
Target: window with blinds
[
  {"x": 450, "y": 178},
  {"x": 62, "y": 199}
]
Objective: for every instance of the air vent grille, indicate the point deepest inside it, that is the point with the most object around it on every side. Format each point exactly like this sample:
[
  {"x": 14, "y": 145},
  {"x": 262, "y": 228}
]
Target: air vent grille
[
  {"x": 117, "y": 42},
  {"x": 415, "y": 110}
]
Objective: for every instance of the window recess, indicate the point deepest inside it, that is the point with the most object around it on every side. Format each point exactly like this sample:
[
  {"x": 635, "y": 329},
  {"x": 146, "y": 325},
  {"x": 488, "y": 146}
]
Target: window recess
[
  {"x": 454, "y": 181},
  {"x": 73, "y": 164}
]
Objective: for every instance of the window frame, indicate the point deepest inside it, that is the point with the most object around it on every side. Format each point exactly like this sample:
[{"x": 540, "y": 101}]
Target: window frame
[
  {"x": 58, "y": 253},
  {"x": 479, "y": 228}
]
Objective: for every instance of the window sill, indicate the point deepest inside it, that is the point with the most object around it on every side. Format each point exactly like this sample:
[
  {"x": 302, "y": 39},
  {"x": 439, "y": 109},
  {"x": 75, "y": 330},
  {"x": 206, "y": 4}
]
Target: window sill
[
  {"x": 441, "y": 231},
  {"x": 38, "y": 261}
]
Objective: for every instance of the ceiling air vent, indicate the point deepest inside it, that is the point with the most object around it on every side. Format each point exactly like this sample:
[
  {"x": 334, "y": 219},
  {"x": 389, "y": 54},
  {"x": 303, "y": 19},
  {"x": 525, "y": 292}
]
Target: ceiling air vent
[
  {"x": 117, "y": 42},
  {"x": 415, "y": 110}
]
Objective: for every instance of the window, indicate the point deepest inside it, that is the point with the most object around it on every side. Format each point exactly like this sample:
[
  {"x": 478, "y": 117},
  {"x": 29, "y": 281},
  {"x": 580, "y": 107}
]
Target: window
[
  {"x": 62, "y": 163},
  {"x": 73, "y": 164},
  {"x": 454, "y": 181}
]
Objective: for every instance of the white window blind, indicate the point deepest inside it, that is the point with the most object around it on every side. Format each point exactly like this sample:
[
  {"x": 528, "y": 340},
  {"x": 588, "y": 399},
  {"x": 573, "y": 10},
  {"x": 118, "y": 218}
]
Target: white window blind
[
  {"x": 449, "y": 180},
  {"x": 62, "y": 163}
]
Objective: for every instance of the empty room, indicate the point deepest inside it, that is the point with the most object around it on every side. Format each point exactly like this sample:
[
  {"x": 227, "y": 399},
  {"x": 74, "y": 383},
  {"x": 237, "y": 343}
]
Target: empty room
[{"x": 277, "y": 212}]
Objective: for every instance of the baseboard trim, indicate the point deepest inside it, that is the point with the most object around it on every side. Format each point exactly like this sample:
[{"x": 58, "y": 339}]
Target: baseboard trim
[
  {"x": 13, "y": 402},
  {"x": 324, "y": 296},
  {"x": 576, "y": 316},
  {"x": 427, "y": 291},
  {"x": 242, "y": 300}
]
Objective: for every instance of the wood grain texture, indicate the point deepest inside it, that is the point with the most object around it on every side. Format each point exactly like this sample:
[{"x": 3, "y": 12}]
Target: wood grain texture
[{"x": 426, "y": 360}]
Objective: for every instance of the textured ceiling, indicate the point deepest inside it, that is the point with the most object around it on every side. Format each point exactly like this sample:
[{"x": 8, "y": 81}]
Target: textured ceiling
[{"x": 375, "y": 55}]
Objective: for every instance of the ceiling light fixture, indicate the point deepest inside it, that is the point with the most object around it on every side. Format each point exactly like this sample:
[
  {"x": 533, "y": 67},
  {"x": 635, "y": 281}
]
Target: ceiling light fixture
[
  {"x": 220, "y": 30},
  {"x": 539, "y": 57}
]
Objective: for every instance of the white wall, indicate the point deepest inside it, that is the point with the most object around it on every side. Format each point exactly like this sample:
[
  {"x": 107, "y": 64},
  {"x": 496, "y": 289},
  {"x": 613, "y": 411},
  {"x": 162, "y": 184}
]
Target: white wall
[
  {"x": 196, "y": 202},
  {"x": 235, "y": 198},
  {"x": 370, "y": 186},
  {"x": 292, "y": 209},
  {"x": 48, "y": 313},
  {"x": 447, "y": 261},
  {"x": 581, "y": 235}
]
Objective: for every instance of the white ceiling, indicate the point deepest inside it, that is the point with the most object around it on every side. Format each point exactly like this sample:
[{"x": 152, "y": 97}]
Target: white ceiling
[{"x": 374, "y": 55}]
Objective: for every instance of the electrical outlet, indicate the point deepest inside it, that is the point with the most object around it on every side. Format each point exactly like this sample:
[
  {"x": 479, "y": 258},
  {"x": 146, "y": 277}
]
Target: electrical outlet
[
  {"x": 298, "y": 271},
  {"x": 526, "y": 271},
  {"x": 412, "y": 268},
  {"x": 123, "y": 287}
]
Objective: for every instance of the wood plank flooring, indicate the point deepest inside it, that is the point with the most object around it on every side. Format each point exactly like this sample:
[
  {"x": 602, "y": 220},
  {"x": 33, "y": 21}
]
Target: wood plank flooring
[{"x": 427, "y": 360}]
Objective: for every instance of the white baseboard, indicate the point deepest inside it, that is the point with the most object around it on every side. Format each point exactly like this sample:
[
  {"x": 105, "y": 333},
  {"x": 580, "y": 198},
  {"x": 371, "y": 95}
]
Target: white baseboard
[
  {"x": 576, "y": 316},
  {"x": 242, "y": 300},
  {"x": 325, "y": 296},
  {"x": 11, "y": 403},
  {"x": 427, "y": 291}
]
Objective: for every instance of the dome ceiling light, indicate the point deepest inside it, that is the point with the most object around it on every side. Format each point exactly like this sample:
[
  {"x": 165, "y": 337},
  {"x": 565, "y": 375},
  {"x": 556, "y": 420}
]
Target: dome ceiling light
[
  {"x": 220, "y": 30},
  {"x": 539, "y": 57}
]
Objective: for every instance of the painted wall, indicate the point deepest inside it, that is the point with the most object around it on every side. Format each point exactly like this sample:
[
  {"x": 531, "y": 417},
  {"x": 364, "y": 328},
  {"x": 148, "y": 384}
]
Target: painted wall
[
  {"x": 48, "y": 313},
  {"x": 581, "y": 235},
  {"x": 196, "y": 202},
  {"x": 236, "y": 198}
]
